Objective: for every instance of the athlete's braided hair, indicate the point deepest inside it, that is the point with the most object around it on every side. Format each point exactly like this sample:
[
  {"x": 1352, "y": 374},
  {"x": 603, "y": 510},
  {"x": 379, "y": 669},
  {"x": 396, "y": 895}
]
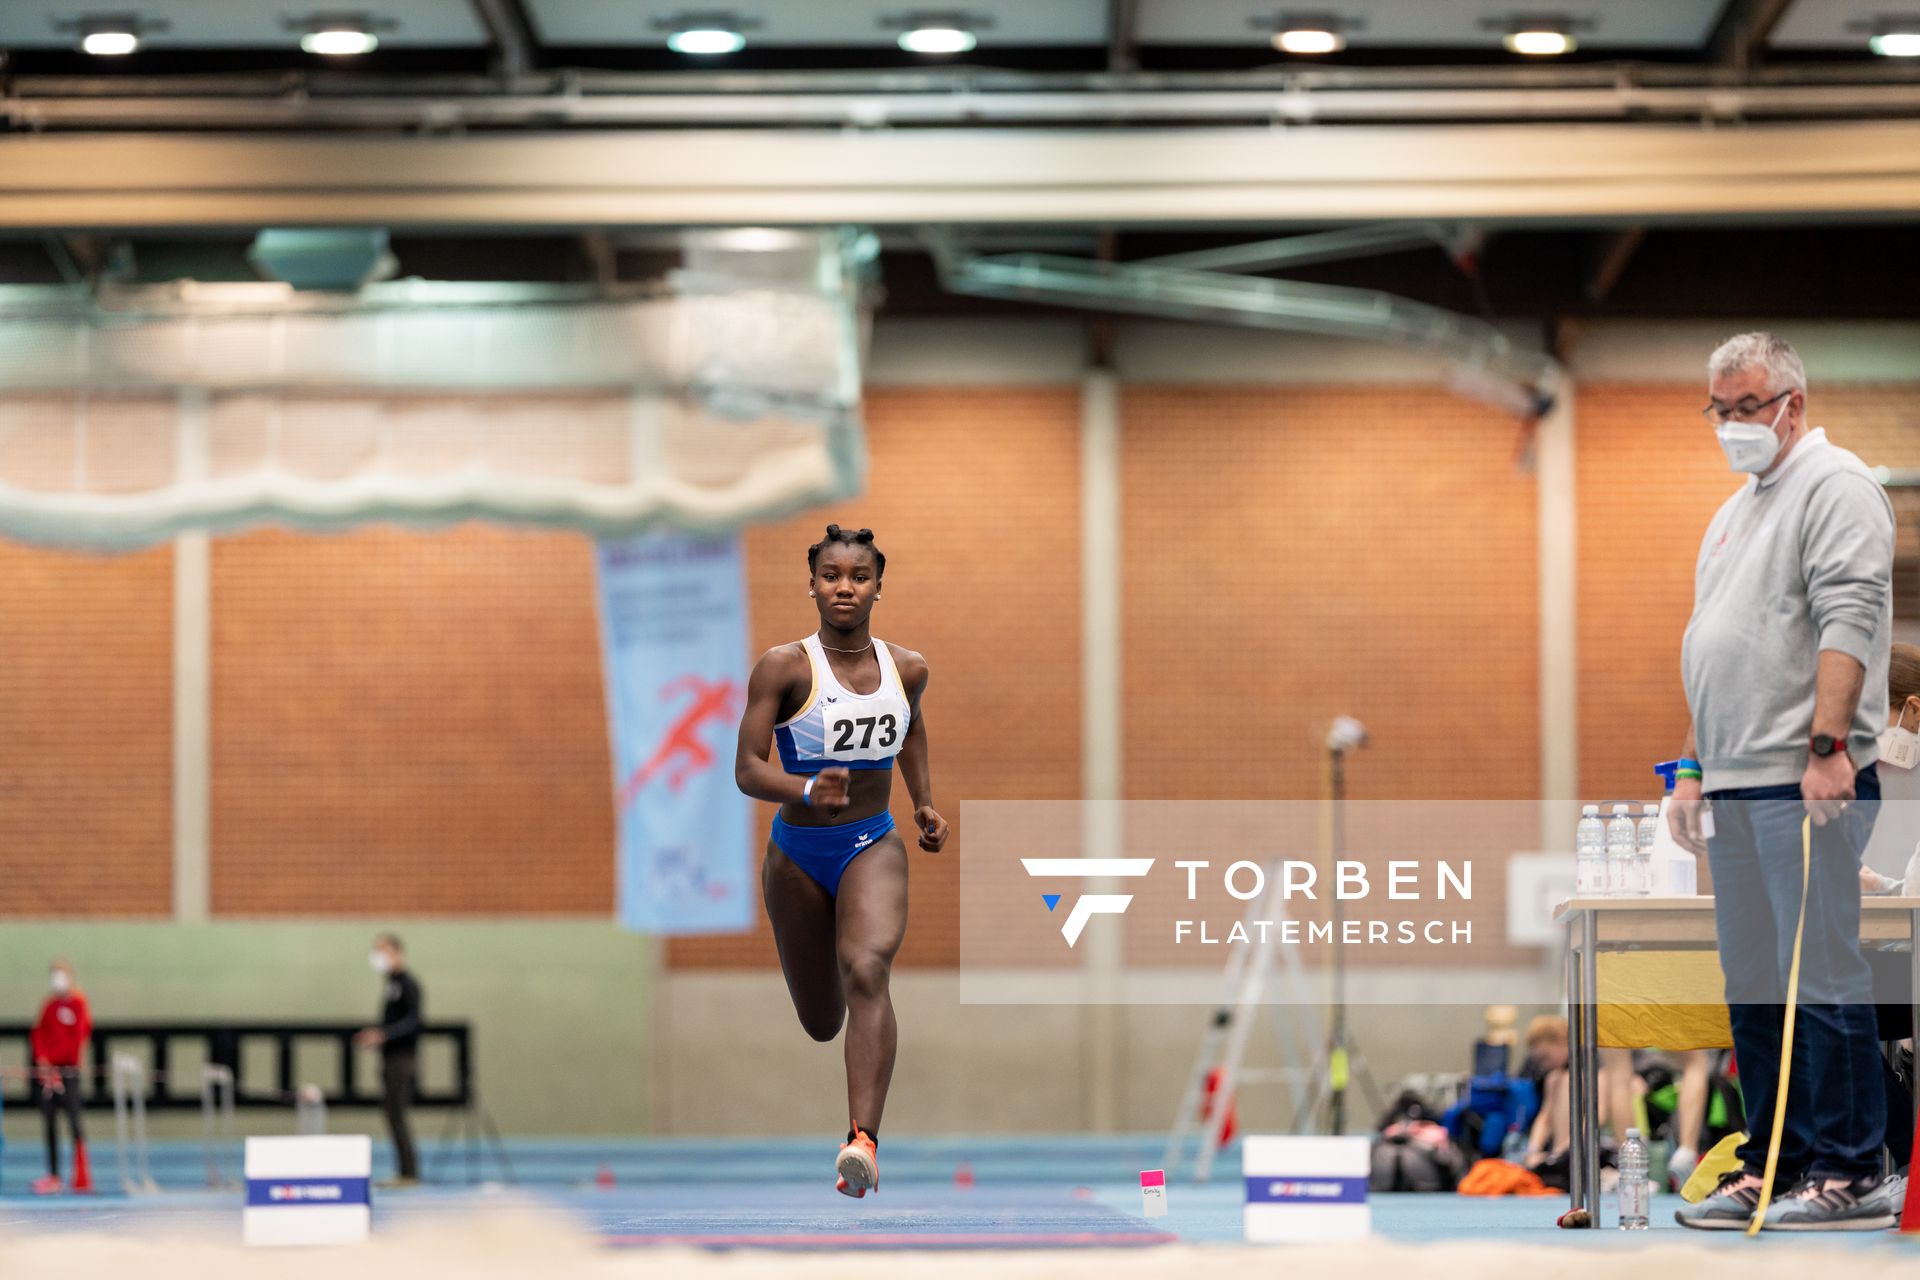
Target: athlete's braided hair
[{"x": 852, "y": 538}]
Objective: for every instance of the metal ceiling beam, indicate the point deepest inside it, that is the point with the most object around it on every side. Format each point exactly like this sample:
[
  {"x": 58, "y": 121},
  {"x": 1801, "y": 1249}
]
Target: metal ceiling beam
[
  {"x": 1308, "y": 249},
  {"x": 1500, "y": 175},
  {"x": 1739, "y": 38},
  {"x": 603, "y": 257},
  {"x": 1685, "y": 104},
  {"x": 511, "y": 33},
  {"x": 965, "y": 80},
  {"x": 1123, "y": 52},
  {"x": 1616, "y": 251},
  {"x": 1527, "y": 380},
  {"x": 72, "y": 267}
]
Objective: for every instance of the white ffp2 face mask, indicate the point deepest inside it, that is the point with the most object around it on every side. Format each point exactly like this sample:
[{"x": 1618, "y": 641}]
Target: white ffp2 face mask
[
  {"x": 1899, "y": 745},
  {"x": 1752, "y": 446},
  {"x": 60, "y": 982},
  {"x": 377, "y": 961}
]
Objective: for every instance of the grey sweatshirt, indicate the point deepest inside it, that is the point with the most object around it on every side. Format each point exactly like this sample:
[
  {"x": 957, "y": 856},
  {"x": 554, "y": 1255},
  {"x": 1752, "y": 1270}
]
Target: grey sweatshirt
[{"x": 1795, "y": 564}]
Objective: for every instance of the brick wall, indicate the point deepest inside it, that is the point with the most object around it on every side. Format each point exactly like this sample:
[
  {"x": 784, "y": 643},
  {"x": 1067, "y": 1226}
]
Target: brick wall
[
  {"x": 1295, "y": 554},
  {"x": 408, "y": 722},
  {"x": 86, "y": 733},
  {"x": 412, "y": 722}
]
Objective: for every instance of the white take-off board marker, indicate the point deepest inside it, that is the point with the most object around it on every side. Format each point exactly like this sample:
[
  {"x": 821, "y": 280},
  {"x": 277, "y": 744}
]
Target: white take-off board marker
[
  {"x": 1305, "y": 1188},
  {"x": 309, "y": 1190},
  {"x": 1153, "y": 1192}
]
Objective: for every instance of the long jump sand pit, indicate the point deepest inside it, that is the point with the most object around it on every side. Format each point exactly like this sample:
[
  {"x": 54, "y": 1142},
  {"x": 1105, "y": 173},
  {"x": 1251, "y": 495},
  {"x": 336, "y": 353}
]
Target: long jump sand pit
[{"x": 511, "y": 1240}]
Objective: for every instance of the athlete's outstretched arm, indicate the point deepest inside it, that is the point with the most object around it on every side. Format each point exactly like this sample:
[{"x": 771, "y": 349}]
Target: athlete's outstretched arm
[
  {"x": 914, "y": 767},
  {"x": 753, "y": 772}
]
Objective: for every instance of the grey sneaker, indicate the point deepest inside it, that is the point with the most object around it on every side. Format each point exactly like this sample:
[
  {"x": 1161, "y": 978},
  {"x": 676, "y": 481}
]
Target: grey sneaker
[
  {"x": 1729, "y": 1208},
  {"x": 1865, "y": 1204},
  {"x": 1680, "y": 1166}
]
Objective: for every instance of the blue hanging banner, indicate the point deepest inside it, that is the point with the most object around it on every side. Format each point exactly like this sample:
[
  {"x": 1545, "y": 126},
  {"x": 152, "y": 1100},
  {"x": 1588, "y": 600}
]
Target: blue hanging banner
[{"x": 673, "y": 638}]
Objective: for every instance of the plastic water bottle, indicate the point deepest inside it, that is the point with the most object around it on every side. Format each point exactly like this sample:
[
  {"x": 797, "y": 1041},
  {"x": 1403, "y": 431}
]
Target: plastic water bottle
[
  {"x": 1647, "y": 836},
  {"x": 1590, "y": 854},
  {"x": 1633, "y": 1183},
  {"x": 1623, "y": 846}
]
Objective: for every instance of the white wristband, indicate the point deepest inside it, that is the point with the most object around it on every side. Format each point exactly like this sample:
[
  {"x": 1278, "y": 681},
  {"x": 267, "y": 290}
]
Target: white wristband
[{"x": 806, "y": 792}]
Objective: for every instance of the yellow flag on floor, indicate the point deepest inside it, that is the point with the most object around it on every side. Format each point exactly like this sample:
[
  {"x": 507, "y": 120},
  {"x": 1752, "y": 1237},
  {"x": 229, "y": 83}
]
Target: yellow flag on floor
[{"x": 1717, "y": 1162}]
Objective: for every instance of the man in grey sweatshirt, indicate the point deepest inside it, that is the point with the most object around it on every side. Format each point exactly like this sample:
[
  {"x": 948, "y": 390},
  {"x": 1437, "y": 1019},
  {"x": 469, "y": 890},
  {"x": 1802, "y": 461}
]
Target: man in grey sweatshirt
[{"x": 1785, "y": 668}]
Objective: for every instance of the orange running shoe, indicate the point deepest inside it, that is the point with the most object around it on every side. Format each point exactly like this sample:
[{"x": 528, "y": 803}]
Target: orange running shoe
[{"x": 858, "y": 1166}]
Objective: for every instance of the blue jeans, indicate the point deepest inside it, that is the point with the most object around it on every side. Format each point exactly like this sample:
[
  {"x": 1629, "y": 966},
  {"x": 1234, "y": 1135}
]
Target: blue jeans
[{"x": 1836, "y": 1109}]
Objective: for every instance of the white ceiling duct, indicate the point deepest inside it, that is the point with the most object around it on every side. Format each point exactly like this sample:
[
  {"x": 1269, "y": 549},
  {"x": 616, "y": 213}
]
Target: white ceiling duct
[{"x": 731, "y": 396}]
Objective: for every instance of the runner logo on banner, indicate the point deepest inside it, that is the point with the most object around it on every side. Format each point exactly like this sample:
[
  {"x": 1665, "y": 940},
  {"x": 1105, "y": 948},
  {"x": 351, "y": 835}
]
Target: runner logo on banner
[{"x": 673, "y": 634}]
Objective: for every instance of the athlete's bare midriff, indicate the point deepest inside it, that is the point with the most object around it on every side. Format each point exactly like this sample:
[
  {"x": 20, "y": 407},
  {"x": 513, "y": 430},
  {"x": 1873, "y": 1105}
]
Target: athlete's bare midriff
[{"x": 869, "y": 791}]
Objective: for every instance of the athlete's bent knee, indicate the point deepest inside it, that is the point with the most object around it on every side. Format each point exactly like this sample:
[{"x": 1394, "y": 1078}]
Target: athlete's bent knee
[
  {"x": 821, "y": 1027},
  {"x": 864, "y": 975}
]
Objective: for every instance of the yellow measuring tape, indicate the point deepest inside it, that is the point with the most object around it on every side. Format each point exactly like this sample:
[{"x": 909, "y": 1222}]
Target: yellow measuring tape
[{"x": 1786, "y": 1035}]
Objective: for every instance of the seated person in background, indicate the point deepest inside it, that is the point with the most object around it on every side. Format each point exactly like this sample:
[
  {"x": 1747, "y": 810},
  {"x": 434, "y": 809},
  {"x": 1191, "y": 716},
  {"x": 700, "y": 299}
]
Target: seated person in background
[
  {"x": 1496, "y": 1109},
  {"x": 1690, "y": 1112},
  {"x": 1552, "y": 1136},
  {"x": 1620, "y": 1089},
  {"x": 1546, "y": 1065}
]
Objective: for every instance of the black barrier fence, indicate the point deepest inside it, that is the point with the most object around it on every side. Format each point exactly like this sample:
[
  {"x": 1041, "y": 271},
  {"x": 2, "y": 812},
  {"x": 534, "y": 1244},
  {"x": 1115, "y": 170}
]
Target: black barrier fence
[{"x": 226, "y": 1044}]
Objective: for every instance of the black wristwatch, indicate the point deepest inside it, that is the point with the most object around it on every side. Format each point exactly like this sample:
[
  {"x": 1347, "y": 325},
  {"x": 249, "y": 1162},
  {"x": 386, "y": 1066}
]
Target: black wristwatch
[{"x": 1825, "y": 744}]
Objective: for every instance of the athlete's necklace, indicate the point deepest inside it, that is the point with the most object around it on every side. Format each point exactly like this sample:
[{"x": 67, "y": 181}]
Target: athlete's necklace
[{"x": 837, "y": 649}]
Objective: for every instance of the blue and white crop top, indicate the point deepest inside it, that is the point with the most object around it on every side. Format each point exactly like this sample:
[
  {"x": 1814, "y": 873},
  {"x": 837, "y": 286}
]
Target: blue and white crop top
[{"x": 838, "y": 727}]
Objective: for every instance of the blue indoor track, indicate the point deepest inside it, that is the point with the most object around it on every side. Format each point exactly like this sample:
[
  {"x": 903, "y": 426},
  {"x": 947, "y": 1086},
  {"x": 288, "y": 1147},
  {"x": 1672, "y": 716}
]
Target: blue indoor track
[{"x": 935, "y": 1194}]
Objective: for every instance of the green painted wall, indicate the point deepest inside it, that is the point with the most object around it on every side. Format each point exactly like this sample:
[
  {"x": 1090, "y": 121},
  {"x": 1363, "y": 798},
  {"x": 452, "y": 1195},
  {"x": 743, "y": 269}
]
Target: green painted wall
[{"x": 560, "y": 1010}]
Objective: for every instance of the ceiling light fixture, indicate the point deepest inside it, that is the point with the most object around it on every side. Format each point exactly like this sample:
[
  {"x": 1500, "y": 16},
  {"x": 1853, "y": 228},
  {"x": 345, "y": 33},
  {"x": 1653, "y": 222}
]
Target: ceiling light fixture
[
  {"x": 706, "y": 42},
  {"x": 109, "y": 43},
  {"x": 1308, "y": 40},
  {"x": 110, "y": 35},
  {"x": 938, "y": 40},
  {"x": 339, "y": 42},
  {"x": 1539, "y": 42},
  {"x": 1896, "y": 44}
]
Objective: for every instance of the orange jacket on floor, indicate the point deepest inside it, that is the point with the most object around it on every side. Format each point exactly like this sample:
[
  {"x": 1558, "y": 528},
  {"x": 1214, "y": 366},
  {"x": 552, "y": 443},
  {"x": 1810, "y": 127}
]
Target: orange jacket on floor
[{"x": 1502, "y": 1178}]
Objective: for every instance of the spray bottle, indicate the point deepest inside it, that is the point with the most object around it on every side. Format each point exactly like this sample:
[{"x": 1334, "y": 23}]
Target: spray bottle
[{"x": 1676, "y": 873}]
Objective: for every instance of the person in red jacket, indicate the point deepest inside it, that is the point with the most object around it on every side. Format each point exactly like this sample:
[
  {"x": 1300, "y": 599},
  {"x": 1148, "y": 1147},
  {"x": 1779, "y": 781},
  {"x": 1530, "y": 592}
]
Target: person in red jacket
[{"x": 59, "y": 1037}]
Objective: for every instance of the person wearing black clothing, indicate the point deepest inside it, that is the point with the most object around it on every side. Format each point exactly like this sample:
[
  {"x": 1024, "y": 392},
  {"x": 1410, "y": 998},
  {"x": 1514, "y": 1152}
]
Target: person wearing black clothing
[{"x": 398, "y": 1038}]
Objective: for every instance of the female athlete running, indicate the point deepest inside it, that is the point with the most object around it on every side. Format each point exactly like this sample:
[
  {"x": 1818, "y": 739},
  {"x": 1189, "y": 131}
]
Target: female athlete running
[{"x": 842, "y": 707}]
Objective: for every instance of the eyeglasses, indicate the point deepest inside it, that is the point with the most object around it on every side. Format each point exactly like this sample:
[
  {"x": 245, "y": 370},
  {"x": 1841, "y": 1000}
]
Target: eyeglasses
[{"x": 1748, "y": 406}]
